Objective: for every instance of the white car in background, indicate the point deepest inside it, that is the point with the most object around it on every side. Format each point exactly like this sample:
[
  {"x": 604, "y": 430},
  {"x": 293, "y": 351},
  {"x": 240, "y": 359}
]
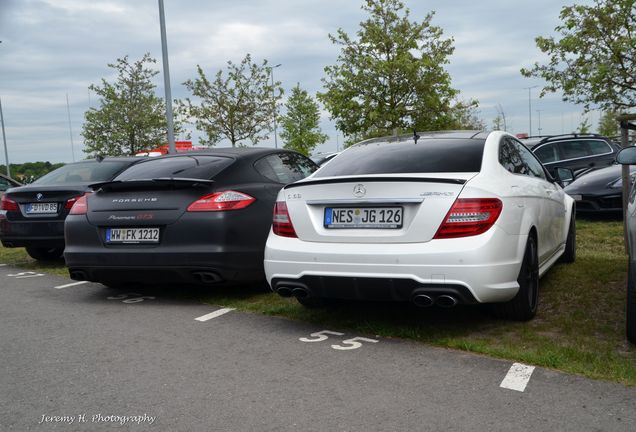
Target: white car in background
[{"x": 439, "y": 218}]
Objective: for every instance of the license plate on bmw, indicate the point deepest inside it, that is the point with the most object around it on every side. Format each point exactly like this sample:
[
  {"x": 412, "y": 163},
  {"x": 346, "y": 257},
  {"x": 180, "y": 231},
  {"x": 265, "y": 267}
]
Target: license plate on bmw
[
  {"x": 132, "y": 235},
  {"x": 364, "y": 217},
  {"x": 41, "y": 208}
]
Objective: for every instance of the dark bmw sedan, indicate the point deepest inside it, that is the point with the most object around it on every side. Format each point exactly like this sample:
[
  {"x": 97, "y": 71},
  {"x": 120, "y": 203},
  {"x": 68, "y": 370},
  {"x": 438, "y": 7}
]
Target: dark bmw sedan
[
  {"x": 196, "y": 218},
  {"x": 32, "y": 216}
]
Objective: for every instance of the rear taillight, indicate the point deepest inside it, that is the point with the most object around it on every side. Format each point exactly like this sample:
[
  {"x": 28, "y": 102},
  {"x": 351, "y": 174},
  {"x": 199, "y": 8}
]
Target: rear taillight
[
  {"x": 469, "y": 217},
  {"x": 80, "y": 205},
  {"x": 221, "y": 201},
  {"x": 282, "y": 224},
  {"x": 8, "y": 204},
  {"x": 69, "y": 203}
]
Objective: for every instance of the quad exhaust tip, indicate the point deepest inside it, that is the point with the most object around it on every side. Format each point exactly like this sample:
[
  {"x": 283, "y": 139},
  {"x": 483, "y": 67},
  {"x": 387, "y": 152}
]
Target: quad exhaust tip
[
  {"x": 423, "y": 300},
  {"x": 284, "y": 291},
  {"x": 446, "y": 301}
]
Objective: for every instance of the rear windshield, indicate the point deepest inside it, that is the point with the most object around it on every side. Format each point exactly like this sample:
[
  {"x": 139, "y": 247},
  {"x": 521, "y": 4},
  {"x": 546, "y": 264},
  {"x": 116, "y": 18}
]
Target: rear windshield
[
  {"x": 83, "y": 172},
  {"x": 197, "y": 167},
  {"x": 429, "y": 155}
]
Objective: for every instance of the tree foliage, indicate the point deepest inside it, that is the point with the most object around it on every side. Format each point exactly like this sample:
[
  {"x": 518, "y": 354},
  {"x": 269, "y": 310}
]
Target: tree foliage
[
  {"x": 593, "y": 62},
  {"x": 30, "y": 171},
  {"x": 608, "y": 124},
  {"x": 391, "y": 76},
  {"x": 300, "y": 126},
  {"x": 130, "y": 117},
  {"x": 238, "y": 106}
]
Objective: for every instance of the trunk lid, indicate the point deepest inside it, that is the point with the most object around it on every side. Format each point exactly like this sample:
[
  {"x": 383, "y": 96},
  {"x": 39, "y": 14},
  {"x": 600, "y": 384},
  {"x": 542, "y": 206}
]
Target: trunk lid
[
  {"x": 144, "y": 202},
  {"x": 407, "y": 208}
]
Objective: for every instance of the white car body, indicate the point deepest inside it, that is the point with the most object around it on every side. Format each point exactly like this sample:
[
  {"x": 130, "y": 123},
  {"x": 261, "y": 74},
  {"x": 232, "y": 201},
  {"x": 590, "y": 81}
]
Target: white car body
[{"x": 481, "y": 268}]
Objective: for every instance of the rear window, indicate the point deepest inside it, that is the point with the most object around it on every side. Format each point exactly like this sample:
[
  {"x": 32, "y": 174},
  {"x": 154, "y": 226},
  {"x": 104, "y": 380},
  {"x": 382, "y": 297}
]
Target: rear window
[
  {"x": 83, "y": 172},
  {"x": 429, "y": 155},
  {"x": 197, "y": 167}
]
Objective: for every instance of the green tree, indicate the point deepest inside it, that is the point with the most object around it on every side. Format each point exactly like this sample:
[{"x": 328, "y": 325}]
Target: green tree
[
  {"x": 130, "y": 117},
  {"x": 497, "y": 123},
  {"x": 237, "y": 107},
  {"x": 300, "y": 126},
  {"x": 608, "y": 125},
  {"x": 391, "y": 77},
  {"x": 584, "y": 127},
  {"x": 593, "y": 61}
]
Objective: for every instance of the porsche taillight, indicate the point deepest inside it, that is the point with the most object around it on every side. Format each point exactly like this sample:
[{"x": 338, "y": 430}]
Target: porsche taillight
[
  {"x": 71, "y": 201},
  {"x": 221, "y": 201},
  {"x": 282, "y": 224},
  {"x": 80, "y": 205},
  {"x": 470, "y": 217},
  {"x": 8, "y": 204}
]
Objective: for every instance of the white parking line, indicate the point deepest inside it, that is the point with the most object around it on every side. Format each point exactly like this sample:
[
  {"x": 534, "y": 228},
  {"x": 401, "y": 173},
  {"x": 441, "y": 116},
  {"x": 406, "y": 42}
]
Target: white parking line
[
  {"x": 214, "y": 314},
  {"x": 70, "y": 284},
  {"x": 517, "y": 377}
]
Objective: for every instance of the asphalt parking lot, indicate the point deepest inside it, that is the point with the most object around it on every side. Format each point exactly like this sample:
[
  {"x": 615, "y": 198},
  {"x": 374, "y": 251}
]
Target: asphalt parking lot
[{"x": 78, "y": 356}]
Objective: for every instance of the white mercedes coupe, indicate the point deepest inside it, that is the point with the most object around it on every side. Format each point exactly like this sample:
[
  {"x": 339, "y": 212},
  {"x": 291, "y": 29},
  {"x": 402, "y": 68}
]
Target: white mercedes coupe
[{"x": 440, "y": 218}]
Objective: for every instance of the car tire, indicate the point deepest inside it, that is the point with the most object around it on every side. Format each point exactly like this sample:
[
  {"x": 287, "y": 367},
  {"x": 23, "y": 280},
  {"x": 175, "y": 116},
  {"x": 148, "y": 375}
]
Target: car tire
[
  {"x": 45, "y": 254},
  {"x": 569, "y": 255},
  {"x": 523, "y": 307},
  {"x": 631, "y": 307}
]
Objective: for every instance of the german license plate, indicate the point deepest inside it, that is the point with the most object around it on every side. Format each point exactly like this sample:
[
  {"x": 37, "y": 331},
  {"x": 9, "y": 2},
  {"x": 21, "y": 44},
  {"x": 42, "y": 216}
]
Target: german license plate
[
  {"x": 364, "y": 217},
  {"x": 132, "y": 235},
  {"x": 41, "y": 208}
]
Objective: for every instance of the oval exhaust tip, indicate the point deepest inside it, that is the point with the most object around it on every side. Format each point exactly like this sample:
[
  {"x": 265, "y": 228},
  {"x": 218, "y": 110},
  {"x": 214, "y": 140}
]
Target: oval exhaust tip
[
  {"x": 446, "y": 301},
  {"x": 422, "y": 300},
  {"x": 300, "y": 293},
  {"x": 284, "y": 291}
]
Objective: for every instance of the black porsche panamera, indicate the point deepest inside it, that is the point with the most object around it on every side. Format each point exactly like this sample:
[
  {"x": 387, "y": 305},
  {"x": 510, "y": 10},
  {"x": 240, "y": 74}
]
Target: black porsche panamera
[{"x": 196, "y": 218}]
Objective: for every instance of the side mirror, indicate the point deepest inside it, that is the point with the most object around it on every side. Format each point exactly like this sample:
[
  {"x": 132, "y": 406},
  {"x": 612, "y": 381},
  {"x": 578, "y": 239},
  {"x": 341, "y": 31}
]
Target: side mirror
[
  {"x": 627, "y": 156},
  {"x": 564, "y": 176}
]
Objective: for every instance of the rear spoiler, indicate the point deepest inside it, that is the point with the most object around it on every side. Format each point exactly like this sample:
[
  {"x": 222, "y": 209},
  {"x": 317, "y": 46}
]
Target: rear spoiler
[
  {"x": 174, "y": 182},
  {"x": 375, "y": 179}
]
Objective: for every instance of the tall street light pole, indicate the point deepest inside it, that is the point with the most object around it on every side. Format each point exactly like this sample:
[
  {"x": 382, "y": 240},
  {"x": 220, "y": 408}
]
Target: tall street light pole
[
  {"x": 530, "y": 109},
  {"x": 271, "y": 71},
  {"x": 539, "y": 116},
  {"x": 4, "y": 138},
  {"x": 166, "y": 80}
]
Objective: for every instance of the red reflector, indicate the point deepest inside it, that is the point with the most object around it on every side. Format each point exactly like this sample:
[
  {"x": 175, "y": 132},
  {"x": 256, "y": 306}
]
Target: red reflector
[
  {"x": 282, "y": 224},
  {"x": 80, "y": 205},
  {"x": 221, "y": 201},
  {"x": 470, "y": 217},
  {"x": 8, "y": 204}
]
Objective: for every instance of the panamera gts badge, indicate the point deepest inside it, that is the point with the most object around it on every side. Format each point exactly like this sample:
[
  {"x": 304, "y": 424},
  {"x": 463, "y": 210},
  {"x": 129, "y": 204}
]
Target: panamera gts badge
[
  {"x": 39, "y": 196},
  {"x": 359, "y": 191}
]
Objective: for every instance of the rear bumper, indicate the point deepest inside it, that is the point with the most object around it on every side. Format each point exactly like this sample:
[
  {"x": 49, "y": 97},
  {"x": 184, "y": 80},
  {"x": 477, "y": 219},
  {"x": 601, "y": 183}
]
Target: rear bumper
[
  {"x": 31, "y": 233},
  {"x": 148, "y": 266},
  {"x": 480, "y": 269}
]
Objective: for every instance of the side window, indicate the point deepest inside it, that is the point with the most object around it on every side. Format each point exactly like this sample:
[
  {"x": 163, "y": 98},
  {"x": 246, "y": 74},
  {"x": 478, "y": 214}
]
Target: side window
[
  {"x": 285, "y": 167},
  {"x": 573, "y": 149},
  {"x": 510, "y": 158},
  {"x": 534, "y": 166},
  {"x": 598, "y": 147},
  {"x": 547, "y": 153}
]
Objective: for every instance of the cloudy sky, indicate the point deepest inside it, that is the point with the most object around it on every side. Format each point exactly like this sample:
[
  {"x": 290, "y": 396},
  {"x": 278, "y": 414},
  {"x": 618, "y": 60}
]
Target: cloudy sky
[{"x": 54, "y": 49}]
